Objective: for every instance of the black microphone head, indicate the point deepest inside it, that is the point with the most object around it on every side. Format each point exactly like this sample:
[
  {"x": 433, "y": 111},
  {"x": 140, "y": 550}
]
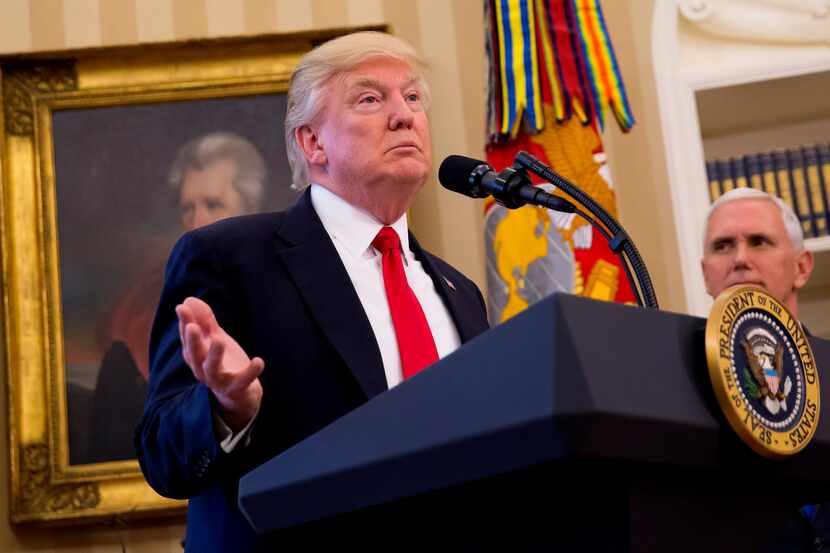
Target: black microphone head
[{"x": 463, "y": 175}]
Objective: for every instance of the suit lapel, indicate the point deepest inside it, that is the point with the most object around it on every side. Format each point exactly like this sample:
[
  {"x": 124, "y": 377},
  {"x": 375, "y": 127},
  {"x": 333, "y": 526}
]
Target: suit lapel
[
  {"x": 452, "y": 298},
  {"x": 312, "y": 261}
]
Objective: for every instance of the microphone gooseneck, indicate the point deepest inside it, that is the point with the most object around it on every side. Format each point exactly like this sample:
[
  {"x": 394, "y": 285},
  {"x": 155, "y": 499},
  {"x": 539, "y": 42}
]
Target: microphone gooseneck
[
  {"x": 619, "y": 241},
  {"x": 512, "y": 188}
]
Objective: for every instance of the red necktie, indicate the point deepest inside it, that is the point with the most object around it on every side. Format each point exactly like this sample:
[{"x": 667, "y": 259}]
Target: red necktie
[{"x": 415, "y": 342}]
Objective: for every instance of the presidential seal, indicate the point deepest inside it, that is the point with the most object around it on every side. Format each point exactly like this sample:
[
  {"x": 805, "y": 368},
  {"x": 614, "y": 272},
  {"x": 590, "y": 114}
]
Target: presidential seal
[{"x": 763, "y": 371}]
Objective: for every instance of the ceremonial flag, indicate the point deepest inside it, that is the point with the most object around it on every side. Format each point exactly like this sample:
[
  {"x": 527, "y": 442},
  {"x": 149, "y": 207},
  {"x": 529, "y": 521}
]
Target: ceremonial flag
[{"x": 553, "y": 74}]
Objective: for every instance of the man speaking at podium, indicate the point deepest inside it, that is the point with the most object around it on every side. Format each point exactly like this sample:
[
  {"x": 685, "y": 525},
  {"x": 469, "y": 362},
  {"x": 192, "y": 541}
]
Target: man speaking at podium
[
  {"x": 272, "y": 326},
  {"x": 752, "y": 237}
]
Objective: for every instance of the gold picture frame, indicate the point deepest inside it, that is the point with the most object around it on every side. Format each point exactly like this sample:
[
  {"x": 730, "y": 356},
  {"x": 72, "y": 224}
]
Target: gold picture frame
[{"x": 40, "y": 94}]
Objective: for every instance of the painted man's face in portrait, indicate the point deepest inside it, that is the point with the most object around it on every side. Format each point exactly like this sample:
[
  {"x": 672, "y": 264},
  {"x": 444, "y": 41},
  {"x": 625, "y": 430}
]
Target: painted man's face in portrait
[{"x": 208, "y": 195}]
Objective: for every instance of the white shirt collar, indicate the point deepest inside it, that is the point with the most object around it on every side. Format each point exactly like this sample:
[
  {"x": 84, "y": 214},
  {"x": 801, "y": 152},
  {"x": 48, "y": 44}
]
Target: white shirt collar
[{"x": 352, "y": 226}]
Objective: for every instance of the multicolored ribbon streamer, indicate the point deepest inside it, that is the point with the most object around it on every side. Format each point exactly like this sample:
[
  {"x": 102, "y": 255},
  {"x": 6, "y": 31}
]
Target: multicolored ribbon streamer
[
  {"x": 515, "y": 26},
  {"x": 554, "y": 52},
  {"x": 606, "y": 81}
]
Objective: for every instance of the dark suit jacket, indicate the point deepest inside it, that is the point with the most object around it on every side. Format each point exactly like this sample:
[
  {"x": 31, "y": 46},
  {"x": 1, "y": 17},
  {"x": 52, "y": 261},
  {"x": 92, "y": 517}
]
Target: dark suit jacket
[
  {"x": 277, "y": 285},
  {"x": 803, "y": 531}
]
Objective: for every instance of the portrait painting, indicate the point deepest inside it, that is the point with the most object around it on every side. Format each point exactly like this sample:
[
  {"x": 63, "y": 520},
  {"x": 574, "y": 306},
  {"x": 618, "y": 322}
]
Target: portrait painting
[
  {"x": 129, "y": 181},
  {"x": 108, "y": 157}
]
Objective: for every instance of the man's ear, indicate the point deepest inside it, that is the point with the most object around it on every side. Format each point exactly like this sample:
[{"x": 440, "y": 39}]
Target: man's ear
[
  {"x": 803, "y": 268},
  {"x": 705, "y": 276},
  {"x": 310, "y": 144}
]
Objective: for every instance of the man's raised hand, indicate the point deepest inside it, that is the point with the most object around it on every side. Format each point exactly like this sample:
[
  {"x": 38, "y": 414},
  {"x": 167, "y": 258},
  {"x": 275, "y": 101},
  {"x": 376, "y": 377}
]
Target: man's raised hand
[{"x": 218, "y": 361}]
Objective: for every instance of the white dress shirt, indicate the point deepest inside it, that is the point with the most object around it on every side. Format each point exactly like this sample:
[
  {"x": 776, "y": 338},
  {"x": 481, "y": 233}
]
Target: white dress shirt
[{"x": 352, "y": 230}]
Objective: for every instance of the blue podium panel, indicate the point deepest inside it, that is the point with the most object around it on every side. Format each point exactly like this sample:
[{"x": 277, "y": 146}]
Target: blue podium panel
[{"x": 570, "y": 390}]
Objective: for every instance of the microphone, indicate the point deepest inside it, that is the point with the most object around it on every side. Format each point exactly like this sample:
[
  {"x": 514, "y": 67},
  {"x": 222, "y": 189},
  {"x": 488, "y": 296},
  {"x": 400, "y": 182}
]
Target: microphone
[{"x": 511, "y": 187}]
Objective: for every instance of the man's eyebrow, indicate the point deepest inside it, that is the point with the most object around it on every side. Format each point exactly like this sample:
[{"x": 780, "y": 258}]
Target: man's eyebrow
[
  {"x": 721, "y": 239},
  {"x": 761, "y": 234},
  {"x": 369, "y": 82}
]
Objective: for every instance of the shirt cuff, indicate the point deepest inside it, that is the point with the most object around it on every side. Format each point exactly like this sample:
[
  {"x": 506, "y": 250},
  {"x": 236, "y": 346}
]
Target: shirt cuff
[{"x": 229, "y": 440}]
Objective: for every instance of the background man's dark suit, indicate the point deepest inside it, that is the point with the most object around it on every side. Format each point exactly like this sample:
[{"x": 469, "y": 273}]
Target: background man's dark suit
[{"x": 277, "y": 285}]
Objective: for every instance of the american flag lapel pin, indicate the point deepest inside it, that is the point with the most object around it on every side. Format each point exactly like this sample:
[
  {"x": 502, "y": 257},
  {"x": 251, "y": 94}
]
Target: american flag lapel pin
[{"x": 450, "y": 284}]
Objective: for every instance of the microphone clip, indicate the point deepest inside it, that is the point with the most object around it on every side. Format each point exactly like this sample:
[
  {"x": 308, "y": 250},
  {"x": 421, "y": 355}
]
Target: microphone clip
[{"x": 507, "y": 187}]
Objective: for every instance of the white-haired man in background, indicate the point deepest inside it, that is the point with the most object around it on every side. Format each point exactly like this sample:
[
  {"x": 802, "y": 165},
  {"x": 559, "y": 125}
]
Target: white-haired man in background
[
  {"x": 272, "y": 326},
  {"x": 752, "y": 237}
]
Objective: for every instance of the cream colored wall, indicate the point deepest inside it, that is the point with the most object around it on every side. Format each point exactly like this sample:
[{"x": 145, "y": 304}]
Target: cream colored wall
[
  {"x": 636, "y": 158},
  {"x": 450, "y": 35}
]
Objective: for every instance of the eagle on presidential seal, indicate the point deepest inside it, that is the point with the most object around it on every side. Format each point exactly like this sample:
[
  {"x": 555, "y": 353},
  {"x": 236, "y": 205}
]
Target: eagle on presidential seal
[{"x": 766, "y": 363}]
